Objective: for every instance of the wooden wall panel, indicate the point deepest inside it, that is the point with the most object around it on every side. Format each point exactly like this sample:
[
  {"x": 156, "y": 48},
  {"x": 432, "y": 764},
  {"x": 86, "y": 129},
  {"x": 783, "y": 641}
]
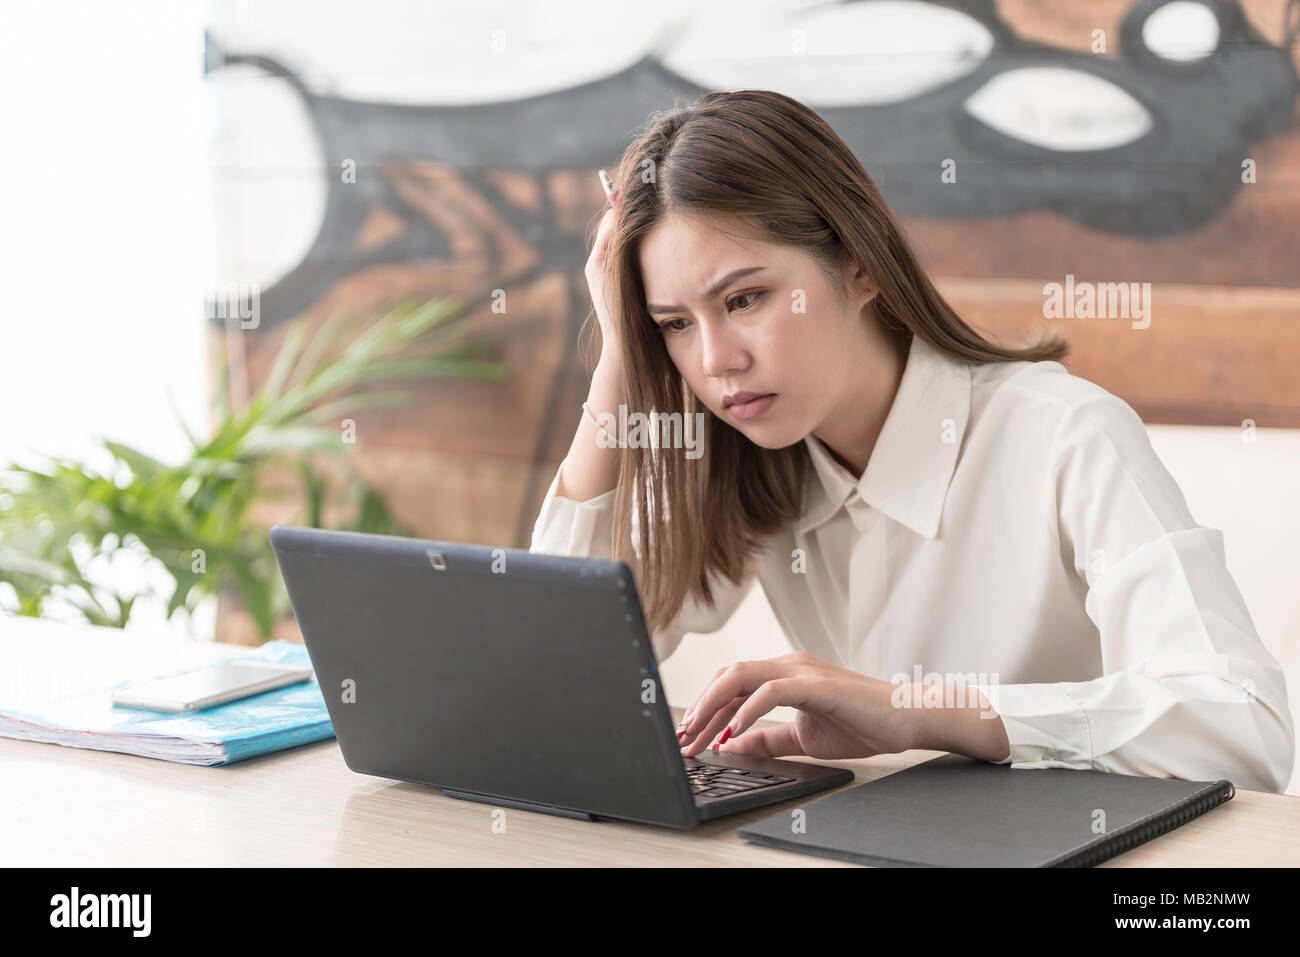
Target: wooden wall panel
[{"x": 1213, "y": 355}]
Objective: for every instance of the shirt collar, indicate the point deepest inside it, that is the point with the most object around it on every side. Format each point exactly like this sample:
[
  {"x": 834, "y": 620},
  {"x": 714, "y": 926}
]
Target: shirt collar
[{"x": 915, "y": 455}]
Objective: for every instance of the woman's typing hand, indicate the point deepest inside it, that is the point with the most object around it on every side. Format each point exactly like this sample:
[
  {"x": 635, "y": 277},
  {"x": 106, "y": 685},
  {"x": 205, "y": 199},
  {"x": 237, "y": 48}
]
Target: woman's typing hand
[{"x": 841, "y": 714}]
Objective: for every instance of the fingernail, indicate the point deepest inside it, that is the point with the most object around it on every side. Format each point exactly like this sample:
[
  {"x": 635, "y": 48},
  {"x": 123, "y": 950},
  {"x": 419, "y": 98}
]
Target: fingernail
[
  {"x": 715, "y": 747},
  {"x": 726, "y": 733},
  {"x": 680, "y": 733}
]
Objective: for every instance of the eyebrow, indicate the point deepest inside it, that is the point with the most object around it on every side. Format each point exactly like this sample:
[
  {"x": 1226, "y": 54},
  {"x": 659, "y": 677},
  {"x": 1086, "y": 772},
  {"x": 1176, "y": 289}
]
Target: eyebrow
[{"x": 716, "y": 288}]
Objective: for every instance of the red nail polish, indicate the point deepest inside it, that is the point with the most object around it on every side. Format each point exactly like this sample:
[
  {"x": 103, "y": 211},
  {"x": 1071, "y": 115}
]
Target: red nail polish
[
  {"x": 680, "y": 733},
  {"x": 715, "y": 747},
  {"x": 725, "y": 735}
]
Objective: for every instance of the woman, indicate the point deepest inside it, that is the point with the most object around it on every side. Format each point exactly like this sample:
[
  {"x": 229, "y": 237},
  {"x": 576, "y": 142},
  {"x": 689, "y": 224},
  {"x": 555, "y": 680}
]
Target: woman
[{"x": 974, "y": 550}]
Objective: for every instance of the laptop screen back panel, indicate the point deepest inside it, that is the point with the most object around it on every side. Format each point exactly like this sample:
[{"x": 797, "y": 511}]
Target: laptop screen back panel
[{"x": 501, "y": 672}]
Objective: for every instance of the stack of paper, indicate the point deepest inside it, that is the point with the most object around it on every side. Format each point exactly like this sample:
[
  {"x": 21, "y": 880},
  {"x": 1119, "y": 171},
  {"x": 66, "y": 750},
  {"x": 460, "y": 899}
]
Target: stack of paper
[{"x": 242, "y": 729}]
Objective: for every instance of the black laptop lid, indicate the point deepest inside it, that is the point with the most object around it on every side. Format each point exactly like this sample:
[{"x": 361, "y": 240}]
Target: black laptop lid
[{"x": 495, "y": 671}]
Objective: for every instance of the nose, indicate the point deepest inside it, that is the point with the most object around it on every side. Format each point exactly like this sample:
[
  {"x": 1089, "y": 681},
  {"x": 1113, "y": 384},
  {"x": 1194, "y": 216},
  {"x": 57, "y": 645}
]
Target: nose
[{"x": 722, "y": 352}]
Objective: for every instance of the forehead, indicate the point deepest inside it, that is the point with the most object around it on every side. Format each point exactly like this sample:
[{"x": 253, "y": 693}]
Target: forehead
[{"x": 682, "y": 255}]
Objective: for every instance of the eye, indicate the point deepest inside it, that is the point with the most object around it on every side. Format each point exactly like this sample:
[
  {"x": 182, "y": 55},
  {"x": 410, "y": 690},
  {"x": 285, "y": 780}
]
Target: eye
[{"x": 677, "y": 330}]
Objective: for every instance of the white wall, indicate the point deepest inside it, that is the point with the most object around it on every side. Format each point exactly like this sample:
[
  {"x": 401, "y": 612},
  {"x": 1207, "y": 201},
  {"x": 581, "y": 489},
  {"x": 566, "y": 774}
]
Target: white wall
[{"x": 102, "y": 233}]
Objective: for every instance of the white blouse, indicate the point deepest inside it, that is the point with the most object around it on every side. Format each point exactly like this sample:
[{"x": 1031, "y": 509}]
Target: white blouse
[{"x": 1015, "y": 530}]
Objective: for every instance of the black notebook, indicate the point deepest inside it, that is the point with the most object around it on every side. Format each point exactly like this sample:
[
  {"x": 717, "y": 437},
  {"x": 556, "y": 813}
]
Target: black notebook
[{"x": 955, "y": 811}]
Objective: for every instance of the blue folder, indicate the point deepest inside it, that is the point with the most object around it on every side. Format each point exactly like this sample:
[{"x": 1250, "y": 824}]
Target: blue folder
[{"x": 271, "y": 721}]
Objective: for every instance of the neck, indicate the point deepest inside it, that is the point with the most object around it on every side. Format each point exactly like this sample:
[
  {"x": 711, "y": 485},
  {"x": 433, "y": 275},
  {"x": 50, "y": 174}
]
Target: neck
[{"x": 850, "y": 431}]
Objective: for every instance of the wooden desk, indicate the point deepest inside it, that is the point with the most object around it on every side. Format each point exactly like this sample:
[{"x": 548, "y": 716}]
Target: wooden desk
[{"x": 64, "y": 807}]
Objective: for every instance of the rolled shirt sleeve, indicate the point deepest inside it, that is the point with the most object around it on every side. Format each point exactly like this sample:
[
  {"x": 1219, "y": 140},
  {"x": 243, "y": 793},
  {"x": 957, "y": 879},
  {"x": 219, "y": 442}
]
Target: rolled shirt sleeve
[
  {"x": 583, "y": 529},
  {"x": 1189, "y": 690},
  {"x": 565, "y": 526}
]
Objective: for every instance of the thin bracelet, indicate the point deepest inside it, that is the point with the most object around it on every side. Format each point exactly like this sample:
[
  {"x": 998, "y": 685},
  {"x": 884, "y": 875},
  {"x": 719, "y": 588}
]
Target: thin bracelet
[{"x": 591, "y": 415}]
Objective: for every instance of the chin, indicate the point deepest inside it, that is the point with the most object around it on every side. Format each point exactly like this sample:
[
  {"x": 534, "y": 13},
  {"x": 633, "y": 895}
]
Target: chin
[{"x": 767, "y": 437}]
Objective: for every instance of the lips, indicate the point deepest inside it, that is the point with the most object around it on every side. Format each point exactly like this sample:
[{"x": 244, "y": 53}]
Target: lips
[
  {"x": 752, "y": 409},
  {"x": 737, "y": 397}
]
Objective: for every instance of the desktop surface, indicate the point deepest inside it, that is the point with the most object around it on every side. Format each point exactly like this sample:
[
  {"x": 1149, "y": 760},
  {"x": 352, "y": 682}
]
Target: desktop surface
[{"x": 65, "y": 806}]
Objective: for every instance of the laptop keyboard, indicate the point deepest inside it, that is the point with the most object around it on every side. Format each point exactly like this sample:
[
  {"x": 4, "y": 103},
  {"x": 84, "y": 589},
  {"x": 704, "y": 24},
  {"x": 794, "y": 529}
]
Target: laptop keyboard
[{"x": 712, "y": 780}]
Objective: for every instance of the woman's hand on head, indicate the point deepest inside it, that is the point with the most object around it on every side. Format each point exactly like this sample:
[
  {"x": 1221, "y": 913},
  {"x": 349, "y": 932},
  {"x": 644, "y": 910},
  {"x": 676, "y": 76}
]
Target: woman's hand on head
[
  {"x": 841, "y": 714},
  {"x": 595, "y": 272}
]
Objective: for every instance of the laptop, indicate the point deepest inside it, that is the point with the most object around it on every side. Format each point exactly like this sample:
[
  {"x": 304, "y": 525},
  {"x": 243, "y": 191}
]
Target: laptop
[{"x": 510, "y": 678}]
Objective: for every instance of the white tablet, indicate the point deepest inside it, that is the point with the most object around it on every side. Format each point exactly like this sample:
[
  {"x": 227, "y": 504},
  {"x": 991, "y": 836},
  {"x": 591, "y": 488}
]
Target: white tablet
[{"x": 208, "y": 687}]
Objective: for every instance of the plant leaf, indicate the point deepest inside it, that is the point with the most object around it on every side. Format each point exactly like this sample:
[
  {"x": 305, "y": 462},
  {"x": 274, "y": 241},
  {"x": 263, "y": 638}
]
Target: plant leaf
[
  {"x": 256, "y": 597},
  {"x": 283, "y": 363}
]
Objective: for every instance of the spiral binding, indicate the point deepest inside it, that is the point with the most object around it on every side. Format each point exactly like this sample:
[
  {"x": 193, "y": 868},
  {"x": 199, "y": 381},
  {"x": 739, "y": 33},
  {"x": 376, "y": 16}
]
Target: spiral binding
[{"x": 1149, "y": 828}]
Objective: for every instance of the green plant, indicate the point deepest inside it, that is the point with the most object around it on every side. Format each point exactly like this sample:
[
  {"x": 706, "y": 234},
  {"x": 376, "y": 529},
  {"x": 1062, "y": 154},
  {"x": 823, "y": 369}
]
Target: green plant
[{"x": 61, "y": 524}]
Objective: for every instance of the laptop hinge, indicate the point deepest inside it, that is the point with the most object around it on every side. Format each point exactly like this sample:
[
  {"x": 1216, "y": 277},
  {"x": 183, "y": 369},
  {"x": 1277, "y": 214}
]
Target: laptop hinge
[{"x": 518, "y": 805}]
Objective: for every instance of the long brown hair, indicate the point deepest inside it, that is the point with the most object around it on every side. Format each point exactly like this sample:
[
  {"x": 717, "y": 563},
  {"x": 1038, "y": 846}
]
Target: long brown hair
[{"x": 780, "y": 171}]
